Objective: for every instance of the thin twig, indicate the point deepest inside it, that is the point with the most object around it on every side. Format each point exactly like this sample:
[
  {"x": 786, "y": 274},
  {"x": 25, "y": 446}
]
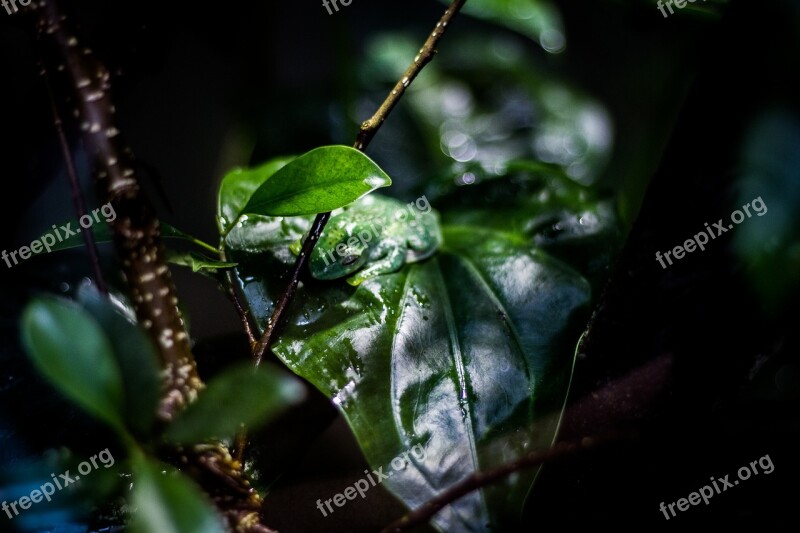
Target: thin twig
[
  {"x": 265, "y": 341},
  {"x": 370, "y": 127},
  {"x": 424, "y": 513},
  {"x": 368, "y": 130},
  {"x": 77, "y": 196},
  {"x": 230, "y": 288}
]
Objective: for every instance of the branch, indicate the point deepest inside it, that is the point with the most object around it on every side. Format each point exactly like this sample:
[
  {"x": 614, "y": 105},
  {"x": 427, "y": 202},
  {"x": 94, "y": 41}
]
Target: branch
[
  {"x": 138, "y": 243},
  {"x": 135, "y": 228},
  {"x": 368, "y": 130},
  {"x": 424, "y": 513},
  {"x": 285, "y": 299},
  {"x": 77, "y": 197},
  {"x": 230, "y": 287},
  {"x": 426, "y": 54}
]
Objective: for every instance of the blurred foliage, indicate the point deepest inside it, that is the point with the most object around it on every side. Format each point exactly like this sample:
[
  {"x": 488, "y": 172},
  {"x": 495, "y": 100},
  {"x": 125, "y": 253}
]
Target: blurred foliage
[
  {"x": 482, "y": 106},
  {"x": 537, "y": 19},
  {"x": 770, "y": 170},
  {"x": 94, "y": 354}
]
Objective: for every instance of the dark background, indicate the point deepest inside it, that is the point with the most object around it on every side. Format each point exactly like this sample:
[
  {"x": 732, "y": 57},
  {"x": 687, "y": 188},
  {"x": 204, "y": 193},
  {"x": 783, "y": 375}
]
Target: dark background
[{"x": 693, "y": 357}]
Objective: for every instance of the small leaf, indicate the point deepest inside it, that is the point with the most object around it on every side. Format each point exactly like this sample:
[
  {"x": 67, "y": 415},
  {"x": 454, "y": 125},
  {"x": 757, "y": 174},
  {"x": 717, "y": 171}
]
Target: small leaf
[
  {"x": 169, "y": 502},
  {"x": 197, "y": 262},
  {"x": 238, "y": 186},
  {"x": 321, "y": 180},
  {"x": 239, "y": 396},
  {"x": 71, "y": 350},
  {"x": 101, "y": 232},
  {"x": 135, "y": 356}
]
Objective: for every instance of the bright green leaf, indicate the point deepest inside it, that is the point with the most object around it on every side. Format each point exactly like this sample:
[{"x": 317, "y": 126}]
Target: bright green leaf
[
  {"x": 321, "y": 180},
  {"x": 72, "y": 351},
  {"x": 135, "y": 355},
  {"x": 238, "y": 186},
  {"x": 167, "y": 502},
  {"x": 239, "y": 396}
]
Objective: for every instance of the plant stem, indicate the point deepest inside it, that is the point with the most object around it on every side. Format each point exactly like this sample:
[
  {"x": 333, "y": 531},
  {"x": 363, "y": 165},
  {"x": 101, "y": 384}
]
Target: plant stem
[
  {"x": 137, "y": 236},
  {"x": 77, "y": 196},
  {"x": 203, "y": 244},
  {"x": 426, "y": 54},
  {"x": 136, "y": 229},
  {"x": 367, "y": 132},
  {"x": 424, "y": 513},
  {"x": 285, "y": 299}
]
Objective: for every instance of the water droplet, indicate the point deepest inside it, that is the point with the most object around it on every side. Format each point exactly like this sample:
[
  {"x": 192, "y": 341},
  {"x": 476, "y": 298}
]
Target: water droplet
[{"x": 374, "y": 181}]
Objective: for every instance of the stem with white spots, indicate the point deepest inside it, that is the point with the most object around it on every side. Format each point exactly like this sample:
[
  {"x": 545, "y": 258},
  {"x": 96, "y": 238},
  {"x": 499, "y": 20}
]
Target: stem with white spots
[
  {"x": 135, "y": 228},
  {"x": 138, "y": 243}
]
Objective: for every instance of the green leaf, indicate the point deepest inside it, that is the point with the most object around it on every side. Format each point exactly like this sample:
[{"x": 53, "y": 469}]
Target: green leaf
[
  {"x": 133, "y": 352},
  {"x": 197, "y": 262},
  {"x": 102, "y": 234},
  {"x": 321, "y": 180},
  {"x": 242, "y": 395},
  {"x": 167, "y": 502},
  {"x": 467, "y": 355},
  {"x": 71, "y": 350},
  {"x": 238, "y": 186}
]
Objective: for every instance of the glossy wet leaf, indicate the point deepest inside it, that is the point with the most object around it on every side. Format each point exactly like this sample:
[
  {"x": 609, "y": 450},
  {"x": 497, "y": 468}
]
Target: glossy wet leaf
[
  {"x": 246, "y": 396},
  {"x": 467, "y": 354},
  {"x": 69, "y": 348},
  {"x": 321, "y": 180},
  {"x": 166, "y": 501}
]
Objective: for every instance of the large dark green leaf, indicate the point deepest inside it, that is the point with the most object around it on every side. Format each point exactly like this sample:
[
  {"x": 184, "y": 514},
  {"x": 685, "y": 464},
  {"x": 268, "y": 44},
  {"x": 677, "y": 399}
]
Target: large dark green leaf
[
  {"x": 167, "y": 502},
  {"x": 467, "y": 355},
  {"x": 242, "y": 395},
  {"x": 321, "y": 180},
  {"x": 72, "y": 351}
]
